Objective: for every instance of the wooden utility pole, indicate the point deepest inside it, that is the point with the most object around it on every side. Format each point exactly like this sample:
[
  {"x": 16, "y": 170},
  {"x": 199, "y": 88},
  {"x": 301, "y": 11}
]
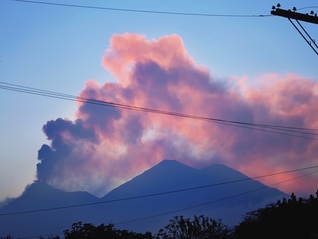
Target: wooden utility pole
[{"x": 296, "y": 16}]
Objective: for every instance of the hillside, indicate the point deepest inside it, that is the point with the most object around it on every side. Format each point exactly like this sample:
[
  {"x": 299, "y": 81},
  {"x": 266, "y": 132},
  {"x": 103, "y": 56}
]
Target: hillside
[{"x": 145, "y": 203}]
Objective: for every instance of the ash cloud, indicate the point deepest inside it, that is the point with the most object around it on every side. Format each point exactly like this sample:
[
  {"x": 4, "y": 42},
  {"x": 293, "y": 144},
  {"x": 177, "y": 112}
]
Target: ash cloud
[{"x": 106, "y": 146}]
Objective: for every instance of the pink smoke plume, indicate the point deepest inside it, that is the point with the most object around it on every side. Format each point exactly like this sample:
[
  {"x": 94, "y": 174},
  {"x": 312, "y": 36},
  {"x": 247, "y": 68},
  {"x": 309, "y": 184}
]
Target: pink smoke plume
[{"x": 106, "y": 146}]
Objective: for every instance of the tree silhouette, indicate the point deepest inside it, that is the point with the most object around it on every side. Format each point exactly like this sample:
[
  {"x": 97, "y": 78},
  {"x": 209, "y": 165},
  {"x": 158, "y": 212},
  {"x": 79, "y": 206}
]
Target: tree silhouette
[
  {"x": 292, "y": 218},
  {"x": 7, "y": 237},
  {"x": 199, "y": 228},
  {"x": 89, "y": 231}
]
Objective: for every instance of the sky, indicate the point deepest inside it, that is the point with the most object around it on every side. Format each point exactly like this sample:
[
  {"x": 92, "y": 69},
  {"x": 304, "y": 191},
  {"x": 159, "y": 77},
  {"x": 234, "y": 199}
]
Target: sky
[{"x": 250, "y": 69}]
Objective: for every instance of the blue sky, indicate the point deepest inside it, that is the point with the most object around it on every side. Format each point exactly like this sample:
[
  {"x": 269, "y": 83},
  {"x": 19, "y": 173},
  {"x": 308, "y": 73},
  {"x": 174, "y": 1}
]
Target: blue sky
[{"x": 60, "y": 48}]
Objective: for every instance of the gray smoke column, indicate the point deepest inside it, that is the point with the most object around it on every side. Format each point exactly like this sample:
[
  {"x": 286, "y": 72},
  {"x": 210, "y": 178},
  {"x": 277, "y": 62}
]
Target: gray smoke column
[{"x": 106, "y": 146}]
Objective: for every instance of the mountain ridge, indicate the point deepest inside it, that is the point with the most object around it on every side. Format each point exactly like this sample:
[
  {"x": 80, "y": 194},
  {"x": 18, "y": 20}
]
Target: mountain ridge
[{"x": 167, "y": 189}]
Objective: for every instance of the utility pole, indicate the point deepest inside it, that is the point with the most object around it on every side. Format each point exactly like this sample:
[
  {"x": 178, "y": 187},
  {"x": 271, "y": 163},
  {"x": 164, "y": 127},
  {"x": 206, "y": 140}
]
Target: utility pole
[{"x": 296, "y": 16}]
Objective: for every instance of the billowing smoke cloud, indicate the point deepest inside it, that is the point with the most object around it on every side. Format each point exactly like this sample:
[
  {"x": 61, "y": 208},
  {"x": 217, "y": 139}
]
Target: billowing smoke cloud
[{"x": 106, "y": 146}]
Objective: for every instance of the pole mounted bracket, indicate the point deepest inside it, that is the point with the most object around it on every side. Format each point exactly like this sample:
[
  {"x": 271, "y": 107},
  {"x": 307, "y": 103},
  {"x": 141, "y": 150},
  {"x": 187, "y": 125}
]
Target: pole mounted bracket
[
  {"x": 295, "y": 15},
  {"x": 294, "y": 18}
]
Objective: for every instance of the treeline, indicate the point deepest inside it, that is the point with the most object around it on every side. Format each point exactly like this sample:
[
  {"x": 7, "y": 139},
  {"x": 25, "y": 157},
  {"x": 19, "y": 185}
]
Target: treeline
[{"x": 289, "y": 218}]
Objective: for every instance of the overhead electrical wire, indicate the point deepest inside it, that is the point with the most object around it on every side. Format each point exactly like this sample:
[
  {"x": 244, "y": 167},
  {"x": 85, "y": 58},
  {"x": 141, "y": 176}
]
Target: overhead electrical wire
[
  {"x": 300, "y": 132},
  {"x": 159, "y": 193},
  {"x": 57, "y": 95},
  {"x": 46, "y": 93},
  {"x": 308, "y": 7},
  {"x": 202, "y": 204},
  {"x": 214, "y": 201},
  {"x": 144, "y": 11},
  {"x": 310, "y": 41}
]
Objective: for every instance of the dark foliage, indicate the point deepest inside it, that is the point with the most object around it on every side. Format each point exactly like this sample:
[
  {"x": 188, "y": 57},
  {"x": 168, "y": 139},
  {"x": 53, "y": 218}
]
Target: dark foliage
[
  {"x": 292, "y": 218},
  {"x": 89, "y": 231},
  {"x": 199, "y": 228},
  {"x": 55, "y": 237},
  {"x": 7, "y": 237},
  {"x": 41, "y": 237}
]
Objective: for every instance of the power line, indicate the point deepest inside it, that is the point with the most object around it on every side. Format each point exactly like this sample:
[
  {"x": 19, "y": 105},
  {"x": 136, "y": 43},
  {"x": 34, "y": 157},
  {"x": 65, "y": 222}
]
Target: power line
[
  {"x": 157, "y": 194},
  {"x": 195, "y": 206},
  {"x": 308, "y": 7},
  {"x": 144, "y": 11},
  {"x": 309, "y": 41},
  {"x": 293, "y": 15},
  {"x": 300, "y": 132},
  {"x": 211, "y": 202}
]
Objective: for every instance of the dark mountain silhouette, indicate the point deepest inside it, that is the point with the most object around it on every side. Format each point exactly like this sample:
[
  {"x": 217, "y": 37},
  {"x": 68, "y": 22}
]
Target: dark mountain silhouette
[
  {"x": 145, "y": 203},
  {"x": 22, "y": 217},
  {"x": 230, "y": 195}
]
